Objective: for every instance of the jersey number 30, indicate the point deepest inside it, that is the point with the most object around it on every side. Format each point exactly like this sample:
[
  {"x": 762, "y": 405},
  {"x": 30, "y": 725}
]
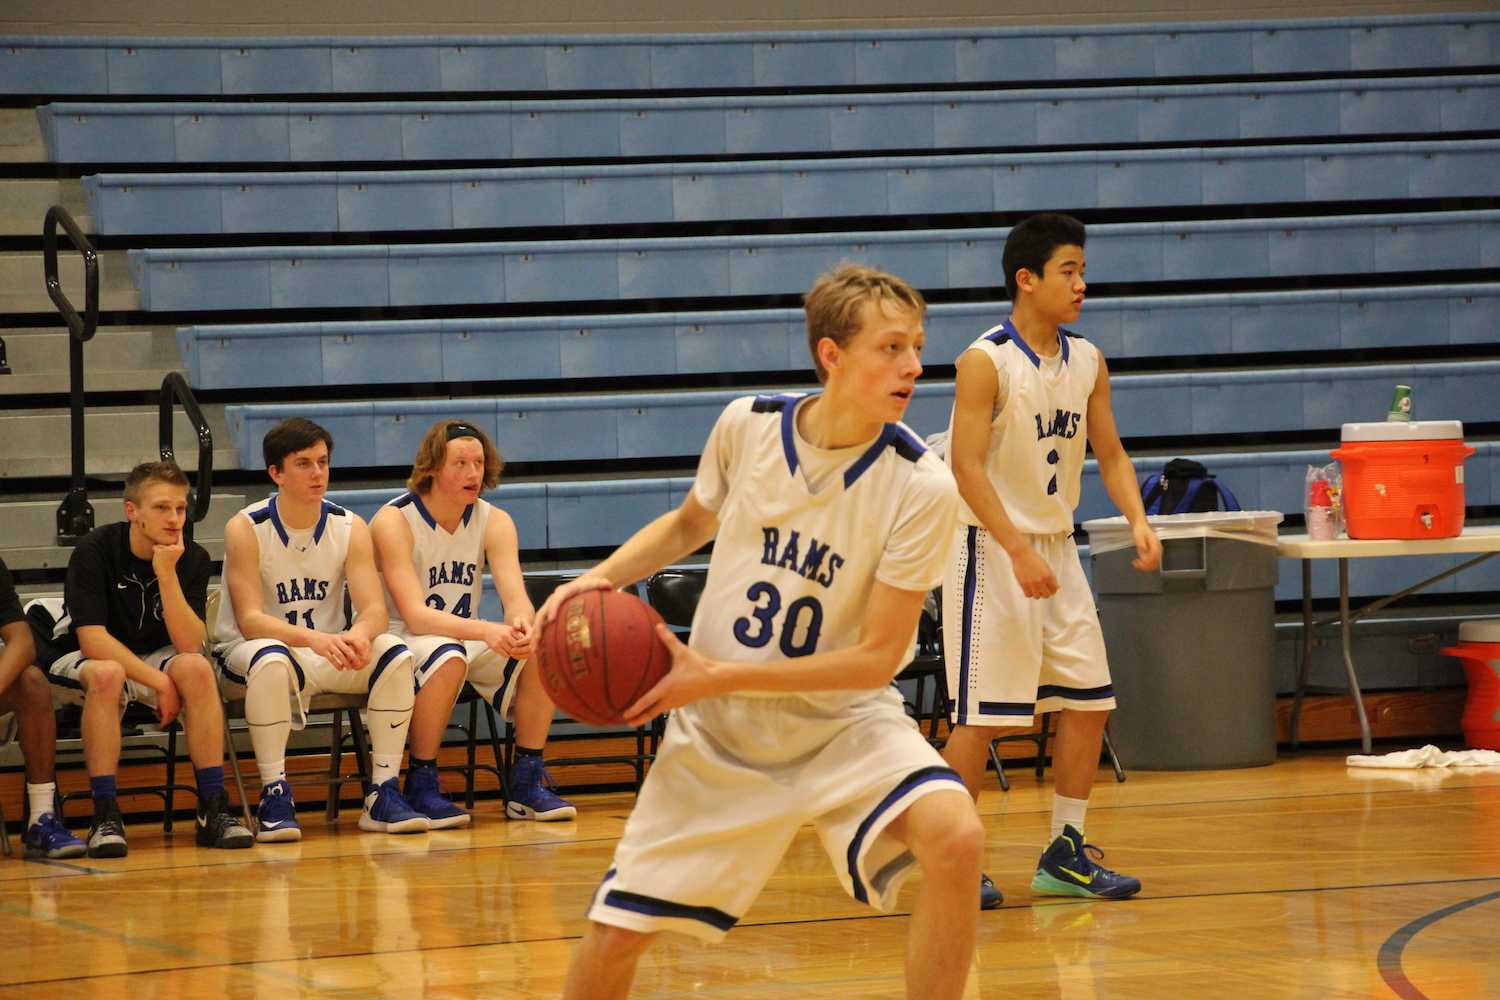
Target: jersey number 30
[{"x": 799, "y": 628}]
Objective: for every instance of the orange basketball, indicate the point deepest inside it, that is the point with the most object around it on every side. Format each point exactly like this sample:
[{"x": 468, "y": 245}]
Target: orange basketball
[{"x": 600, "y": 653}]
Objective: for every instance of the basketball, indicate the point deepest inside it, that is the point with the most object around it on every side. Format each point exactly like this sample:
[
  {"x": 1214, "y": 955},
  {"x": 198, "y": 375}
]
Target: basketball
[{"x": 599, "y": 653}]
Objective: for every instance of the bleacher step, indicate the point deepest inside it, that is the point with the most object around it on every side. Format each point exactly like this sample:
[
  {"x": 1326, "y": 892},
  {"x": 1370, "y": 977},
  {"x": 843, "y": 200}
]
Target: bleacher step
[
  {"x": 36, "y": 444},
  {"x": 114, "y": 360},
  {"x": 27, "y": 528},
  {"x": 23, "y": 287},
  {"x": 21, "y": 137},
  {"x": 24, "y": 204}
]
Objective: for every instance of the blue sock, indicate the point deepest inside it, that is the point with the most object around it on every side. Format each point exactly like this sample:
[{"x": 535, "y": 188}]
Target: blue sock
[
  {"x": 102, "y": 786},
  {"x": 210, "y": 781}
]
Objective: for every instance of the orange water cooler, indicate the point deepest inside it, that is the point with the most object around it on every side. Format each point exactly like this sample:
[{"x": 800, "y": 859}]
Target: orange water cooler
[
  {"x": 1404, "y": 480},
  {"x": 1479, "y": 650}
]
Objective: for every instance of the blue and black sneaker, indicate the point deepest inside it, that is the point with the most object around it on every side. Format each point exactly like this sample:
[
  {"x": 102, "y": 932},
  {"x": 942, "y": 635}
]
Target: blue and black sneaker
[
  {"x": 989, "y": 895},
  {"x": 387, "y": 811},
  {"x": 48, "y": 838},
  {"x": 1067, "y": 869},
  {"x": 425, "y": 794},
  {"x": 276, "y": 816},
  {"x": 531, "y": 794}
]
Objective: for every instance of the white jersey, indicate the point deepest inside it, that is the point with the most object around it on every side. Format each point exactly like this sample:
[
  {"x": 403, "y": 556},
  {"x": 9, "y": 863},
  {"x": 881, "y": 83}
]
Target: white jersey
[
  {"x": 301, "y": 572},
  {"x": 450, "y": 568},
  {"x": 805, "y": 533},
  {"x": 1039, "y": 437}
]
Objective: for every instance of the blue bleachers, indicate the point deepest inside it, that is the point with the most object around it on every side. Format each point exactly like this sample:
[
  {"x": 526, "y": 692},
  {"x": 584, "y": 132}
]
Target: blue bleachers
[
  {"x": 84, "y": 132},
  {"x": 456, "y": 273},
  {"x": 601, "y": 427},
  {"x": 700, "y": 343},
  {"x": 563, "y": 515},
  {"x": 366, "y": 201},
  {"x": 177, "y": 66}
]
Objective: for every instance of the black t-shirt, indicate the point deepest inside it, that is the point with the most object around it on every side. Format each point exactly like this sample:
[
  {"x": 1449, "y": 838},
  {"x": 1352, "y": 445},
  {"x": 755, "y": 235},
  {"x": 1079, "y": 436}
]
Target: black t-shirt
[
  {"x": 10, "y": 604},
  {"x": 107, "y": 585}
]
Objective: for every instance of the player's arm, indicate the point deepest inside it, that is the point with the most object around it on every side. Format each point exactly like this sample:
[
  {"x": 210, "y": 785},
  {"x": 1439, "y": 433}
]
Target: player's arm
[
  {"x": 884, "y": 639},
  {"x": 18, "y": 653},
  {"x": 393, "y": 546},
  {"x": 1117, "y": 472},
  {"x": 502, "y": 550},
  {"x": 370, "y": 616},
  {"x": 672, "y": 536},
  {"x": 95, "y": 642},
  {"x": 184, "y": 623},
  {"x": 975, "y": 392}
]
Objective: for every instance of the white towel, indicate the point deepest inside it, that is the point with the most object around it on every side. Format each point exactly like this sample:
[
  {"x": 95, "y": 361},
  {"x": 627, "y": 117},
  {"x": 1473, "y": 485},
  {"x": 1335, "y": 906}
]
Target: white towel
[{"x": 1428, "y": 756}]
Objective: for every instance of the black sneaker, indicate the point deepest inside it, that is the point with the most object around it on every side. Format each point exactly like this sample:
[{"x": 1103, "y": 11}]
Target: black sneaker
[
  {"x": 218, "y": 827},
  {"x": 107, "y": 831}
]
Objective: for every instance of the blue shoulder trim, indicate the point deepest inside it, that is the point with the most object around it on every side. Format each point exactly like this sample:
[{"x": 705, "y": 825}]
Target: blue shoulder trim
[{"x": 328, "y": 509}]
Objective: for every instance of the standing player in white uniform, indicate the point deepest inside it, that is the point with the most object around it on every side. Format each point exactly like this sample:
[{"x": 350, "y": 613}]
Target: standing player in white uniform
[
  {"x": 1022, "y": 634},
  {"x": 433, "y": 542},
  {"x": 283, "y": 634},
  {"x": 830, "y": 520}
]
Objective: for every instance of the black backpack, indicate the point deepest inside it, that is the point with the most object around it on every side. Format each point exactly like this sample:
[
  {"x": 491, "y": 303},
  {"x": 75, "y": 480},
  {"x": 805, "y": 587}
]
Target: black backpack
[{"x": 1185, "y": 487}]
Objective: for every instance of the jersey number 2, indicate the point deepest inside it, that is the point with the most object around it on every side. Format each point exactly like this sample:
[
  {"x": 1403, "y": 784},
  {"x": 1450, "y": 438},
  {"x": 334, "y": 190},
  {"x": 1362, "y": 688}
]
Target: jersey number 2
[{"x": 804, "y": 614}]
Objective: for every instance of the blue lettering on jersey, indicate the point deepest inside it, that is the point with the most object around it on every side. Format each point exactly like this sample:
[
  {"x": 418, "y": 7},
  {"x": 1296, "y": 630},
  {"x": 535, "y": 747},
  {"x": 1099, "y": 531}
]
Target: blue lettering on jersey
[
  {"x": 458, "y": 571},
  {"x": 1064, "y": 424},
  {"x": 816, "y": 563},
  {"x": 305, "y": 589}
]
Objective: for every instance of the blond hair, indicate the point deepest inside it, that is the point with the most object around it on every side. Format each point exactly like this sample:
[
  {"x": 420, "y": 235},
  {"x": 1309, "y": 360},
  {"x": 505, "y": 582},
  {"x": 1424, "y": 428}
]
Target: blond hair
[
  {"x": 433, "y": 452},
  {"x": 165, "y": 471},
  {"x": 835, "y": 304}
]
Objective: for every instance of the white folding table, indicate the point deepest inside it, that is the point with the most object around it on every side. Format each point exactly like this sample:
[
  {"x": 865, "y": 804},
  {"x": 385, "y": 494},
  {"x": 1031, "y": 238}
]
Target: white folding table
[{"x": 1482, "y": 539}]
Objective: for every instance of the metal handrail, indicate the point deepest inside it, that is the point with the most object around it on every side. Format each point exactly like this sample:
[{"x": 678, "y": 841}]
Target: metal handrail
[
  {"x": 174, "y": 389},
  {"x": 75, "y": 515}
]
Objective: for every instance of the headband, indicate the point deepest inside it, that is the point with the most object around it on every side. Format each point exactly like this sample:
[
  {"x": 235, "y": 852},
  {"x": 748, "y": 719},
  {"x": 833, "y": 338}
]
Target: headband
[{"x": 462, "y": 430}]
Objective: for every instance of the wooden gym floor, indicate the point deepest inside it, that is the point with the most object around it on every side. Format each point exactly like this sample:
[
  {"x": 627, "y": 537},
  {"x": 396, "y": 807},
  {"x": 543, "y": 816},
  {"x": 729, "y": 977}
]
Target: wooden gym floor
[{"x": 1304, "y": 879}]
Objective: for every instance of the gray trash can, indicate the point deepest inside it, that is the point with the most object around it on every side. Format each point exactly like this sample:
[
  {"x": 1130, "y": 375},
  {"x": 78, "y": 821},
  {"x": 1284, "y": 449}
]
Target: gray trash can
[{"x": 1192, "y": 645}]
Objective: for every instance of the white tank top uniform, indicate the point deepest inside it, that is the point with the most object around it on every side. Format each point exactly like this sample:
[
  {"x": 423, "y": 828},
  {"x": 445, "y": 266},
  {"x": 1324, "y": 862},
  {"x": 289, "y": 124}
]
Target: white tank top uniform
[
  {"x": 804, "y": 534},
  {"x": 1010, "y": 657},
  {"x": 450, "y": 569},
  {"x": 301, "y": 580}
]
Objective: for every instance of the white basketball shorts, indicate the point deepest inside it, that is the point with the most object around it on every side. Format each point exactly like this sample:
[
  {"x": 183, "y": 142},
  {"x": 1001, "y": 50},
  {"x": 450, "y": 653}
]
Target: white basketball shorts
[
  {"x": 1011, "y": 657},
  {"x": 736, "y": 778}
]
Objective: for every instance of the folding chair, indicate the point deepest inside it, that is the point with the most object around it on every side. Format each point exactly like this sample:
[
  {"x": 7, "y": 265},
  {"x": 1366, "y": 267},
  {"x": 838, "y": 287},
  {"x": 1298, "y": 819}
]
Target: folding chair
[
  {"x": 470, "y": 729},
  {"x": 1040, "y": 738},
  {"x": 340, "y": 707}
]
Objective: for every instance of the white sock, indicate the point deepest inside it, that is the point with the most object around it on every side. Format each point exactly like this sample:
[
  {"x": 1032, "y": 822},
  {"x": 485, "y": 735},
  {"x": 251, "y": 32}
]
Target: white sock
[
  {"x": 384, "y": 767},
  {"x": 390, "y": 705},
  {"x": 271, "y": 771},
  {"x": 1067, "y": 812},
  {"x": 268, "y": 712},
  {"x": 40, "y": 798}
]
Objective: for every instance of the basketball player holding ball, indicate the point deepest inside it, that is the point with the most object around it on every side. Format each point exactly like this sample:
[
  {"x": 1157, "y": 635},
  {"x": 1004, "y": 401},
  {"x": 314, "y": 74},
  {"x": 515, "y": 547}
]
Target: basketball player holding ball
[{"x": 830, "y": 520}]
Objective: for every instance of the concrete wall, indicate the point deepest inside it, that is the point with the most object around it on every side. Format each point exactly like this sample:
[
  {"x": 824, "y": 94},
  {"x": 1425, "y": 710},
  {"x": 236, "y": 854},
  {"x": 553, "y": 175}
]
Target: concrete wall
[{"x": 397, "y": 17}]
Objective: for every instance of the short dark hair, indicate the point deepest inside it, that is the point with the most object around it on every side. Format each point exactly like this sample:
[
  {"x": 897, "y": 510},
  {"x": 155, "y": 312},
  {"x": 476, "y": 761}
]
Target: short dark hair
[
  {"x": 292, "y": 435},
  {"x": 153, "y": 472},
  {"x": 1032, "y": 243}
]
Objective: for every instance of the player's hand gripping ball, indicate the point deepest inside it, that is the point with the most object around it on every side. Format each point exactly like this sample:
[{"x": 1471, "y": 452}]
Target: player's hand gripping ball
[{"x": 599, "y": 653}]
